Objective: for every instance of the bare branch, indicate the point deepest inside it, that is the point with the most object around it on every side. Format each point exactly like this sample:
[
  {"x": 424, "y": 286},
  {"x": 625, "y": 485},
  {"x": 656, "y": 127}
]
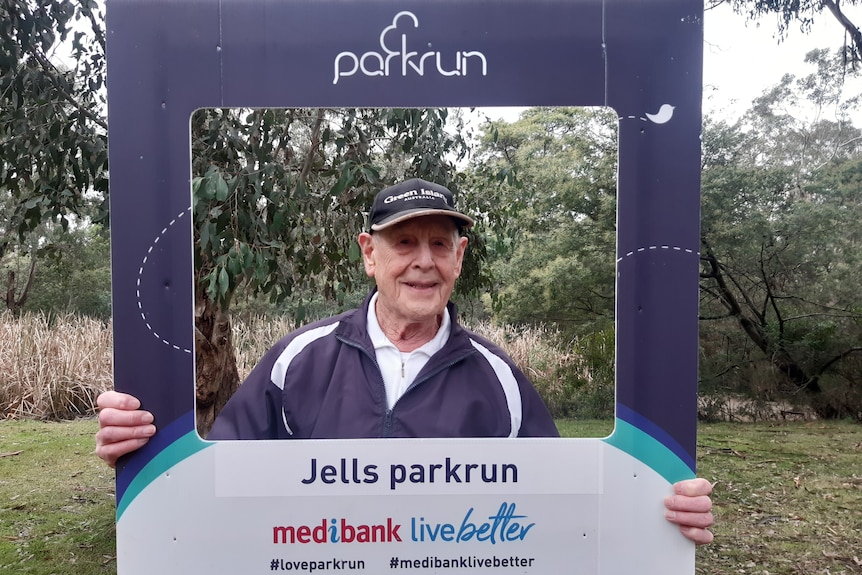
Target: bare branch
[
  {"x": 850, "y": 27},
  {"x": 838, "y": 358},
  {"x": 313, "y": 148}
]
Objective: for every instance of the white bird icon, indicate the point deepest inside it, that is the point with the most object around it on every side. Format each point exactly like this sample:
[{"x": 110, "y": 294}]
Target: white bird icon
[{"x": 664, "y": 114}]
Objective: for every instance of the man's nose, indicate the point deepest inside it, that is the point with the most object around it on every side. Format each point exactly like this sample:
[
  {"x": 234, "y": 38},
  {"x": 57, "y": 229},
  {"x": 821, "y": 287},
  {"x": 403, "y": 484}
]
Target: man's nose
[{"x": 423, "y": 257}]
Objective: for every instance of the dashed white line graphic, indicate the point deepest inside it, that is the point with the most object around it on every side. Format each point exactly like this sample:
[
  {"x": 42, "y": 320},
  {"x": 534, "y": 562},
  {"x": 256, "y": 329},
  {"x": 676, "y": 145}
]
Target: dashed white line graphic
[
  {"x": 141, "y": 274},
  {"x": 658, "y": 247}
]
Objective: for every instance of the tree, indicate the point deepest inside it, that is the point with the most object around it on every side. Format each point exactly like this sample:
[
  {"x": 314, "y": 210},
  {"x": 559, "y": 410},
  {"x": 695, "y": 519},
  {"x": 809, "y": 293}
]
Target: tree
[
  {"x": 279, "y": 196},
  {"x": 74, "y": 275},
  {"x": 53, "y": 149},
  {"x": 803, "y": 12},
  {"x": 554, "y": 171},
  {"x": 780, "y": 252},
  {"x": 546, "y": 187}
]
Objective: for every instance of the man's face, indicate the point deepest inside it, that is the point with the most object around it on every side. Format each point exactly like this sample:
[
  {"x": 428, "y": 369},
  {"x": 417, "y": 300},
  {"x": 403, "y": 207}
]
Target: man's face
[{"x": 415, "y": 264}]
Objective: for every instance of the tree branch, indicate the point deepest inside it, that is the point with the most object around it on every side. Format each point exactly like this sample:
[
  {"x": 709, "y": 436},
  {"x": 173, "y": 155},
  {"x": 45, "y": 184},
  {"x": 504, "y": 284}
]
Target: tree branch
[
  {"x": 850, "y": 27},
  {"x": 312, "y": 149},
  {"x": 53, "y": 74},
  {"x": 98, "y": 31},
  {"x": 838, "y": 358}
]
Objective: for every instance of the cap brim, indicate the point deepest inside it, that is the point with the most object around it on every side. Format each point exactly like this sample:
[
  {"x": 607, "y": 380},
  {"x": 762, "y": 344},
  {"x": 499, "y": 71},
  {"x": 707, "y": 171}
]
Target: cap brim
[{"x": 410, "y": 214}]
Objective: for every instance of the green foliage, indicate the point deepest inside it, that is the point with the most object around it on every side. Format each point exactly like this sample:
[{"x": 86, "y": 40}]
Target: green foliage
[
  {"x": 574, "y": 377},
  {"x": 781, "y": 246},
  {"x": 53, "y": 156},
  {"x": 584, "y": 384},
  {"x": 280, "y": 194},
  {"x": 549, "y": 183},
  {"x": 804, "y": 13},
  {"x": 75, "y": 275},
  {"x": 279, "y": 197},
  {"x": 53, "y": 134}
]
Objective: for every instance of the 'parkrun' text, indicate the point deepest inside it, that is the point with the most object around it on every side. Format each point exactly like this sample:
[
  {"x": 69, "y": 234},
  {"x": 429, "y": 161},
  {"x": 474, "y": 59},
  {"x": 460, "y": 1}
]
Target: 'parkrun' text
[
  {"x": 394, "y": 45},
  {"x": 351, "y": 471},
  {"x": 503, "y": 526}
]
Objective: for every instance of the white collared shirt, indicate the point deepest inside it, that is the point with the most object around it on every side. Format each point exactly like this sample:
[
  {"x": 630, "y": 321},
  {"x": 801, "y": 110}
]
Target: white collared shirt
[{"x": 400, "y": 369}]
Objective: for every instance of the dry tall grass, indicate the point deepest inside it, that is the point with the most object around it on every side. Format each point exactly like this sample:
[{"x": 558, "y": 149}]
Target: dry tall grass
[
  {"x": 54, "y": 368},
  {"x": 575, "y": 380},
  {"x": 532, "y": 349},
  {"x": 253, "y": 335},
  {"x": 562, "y": 376}
]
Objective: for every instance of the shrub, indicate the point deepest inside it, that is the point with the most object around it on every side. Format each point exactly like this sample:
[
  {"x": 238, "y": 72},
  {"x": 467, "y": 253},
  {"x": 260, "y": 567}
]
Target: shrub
[{"x": 575, "y": 379}]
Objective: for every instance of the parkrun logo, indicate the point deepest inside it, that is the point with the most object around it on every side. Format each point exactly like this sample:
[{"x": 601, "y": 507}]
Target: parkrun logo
[
  {"x": 503, "y": 526},
  {"x": 394, "y": 47}
]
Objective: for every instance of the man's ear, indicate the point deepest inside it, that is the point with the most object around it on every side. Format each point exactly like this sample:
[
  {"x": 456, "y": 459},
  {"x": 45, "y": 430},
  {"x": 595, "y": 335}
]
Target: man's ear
[
  {"x": 366, "y": 245},
  {"x": 461, "y": 249}
]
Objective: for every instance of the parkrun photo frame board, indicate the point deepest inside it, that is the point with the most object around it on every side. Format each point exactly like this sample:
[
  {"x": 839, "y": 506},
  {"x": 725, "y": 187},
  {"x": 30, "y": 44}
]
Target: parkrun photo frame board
[{"x": 555, "y": 506}]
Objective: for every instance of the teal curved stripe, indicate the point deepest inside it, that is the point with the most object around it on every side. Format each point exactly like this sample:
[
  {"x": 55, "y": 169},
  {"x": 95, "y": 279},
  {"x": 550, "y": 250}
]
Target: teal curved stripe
[
  {"x": 648, "y": 450},
  {"x": 184, "y": 447}
]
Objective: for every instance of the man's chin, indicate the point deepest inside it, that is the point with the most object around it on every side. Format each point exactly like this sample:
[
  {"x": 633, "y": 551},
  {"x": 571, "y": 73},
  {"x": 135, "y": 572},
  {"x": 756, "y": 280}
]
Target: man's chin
[{"x": 427, "y": 312}]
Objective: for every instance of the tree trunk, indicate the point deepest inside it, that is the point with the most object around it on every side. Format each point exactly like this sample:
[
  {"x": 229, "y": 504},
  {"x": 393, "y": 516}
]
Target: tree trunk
[
  {"x": 754, "y": 327},
  {"x": 13, "y": 303},
  {"x": 216, "y": 375}
]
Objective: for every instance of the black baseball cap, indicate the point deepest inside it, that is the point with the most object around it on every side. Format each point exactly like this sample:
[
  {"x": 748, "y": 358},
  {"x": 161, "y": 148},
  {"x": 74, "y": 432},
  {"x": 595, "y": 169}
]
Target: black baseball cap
[{"x": 412, "y": 199}]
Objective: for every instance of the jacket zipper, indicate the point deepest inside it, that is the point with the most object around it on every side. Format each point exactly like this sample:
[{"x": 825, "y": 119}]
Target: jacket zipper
[
  {"x": 389, "y": 414},
  {"x": 387, "y": 417}
]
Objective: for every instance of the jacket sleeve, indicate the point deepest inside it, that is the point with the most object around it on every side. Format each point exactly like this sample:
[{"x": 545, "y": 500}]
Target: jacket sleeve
[{"x": 255, "y": 410}]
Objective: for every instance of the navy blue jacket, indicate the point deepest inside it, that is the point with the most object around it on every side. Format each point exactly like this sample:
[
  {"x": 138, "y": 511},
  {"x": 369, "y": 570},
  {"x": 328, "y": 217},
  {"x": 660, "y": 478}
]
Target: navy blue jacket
[{"x": 323, "y": 381}]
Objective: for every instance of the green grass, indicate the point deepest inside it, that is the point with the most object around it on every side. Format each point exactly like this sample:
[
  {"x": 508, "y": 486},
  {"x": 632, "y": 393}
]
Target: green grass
[
  {"x": 585, "y": 428},
  {"x": 788, "y": 498},
  {"x": 56, "y": 500}
]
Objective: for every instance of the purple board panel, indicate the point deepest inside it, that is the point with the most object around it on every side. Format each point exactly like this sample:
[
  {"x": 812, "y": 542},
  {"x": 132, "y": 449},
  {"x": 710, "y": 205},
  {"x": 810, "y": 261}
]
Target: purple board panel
[{"x": 642, "y": 58}]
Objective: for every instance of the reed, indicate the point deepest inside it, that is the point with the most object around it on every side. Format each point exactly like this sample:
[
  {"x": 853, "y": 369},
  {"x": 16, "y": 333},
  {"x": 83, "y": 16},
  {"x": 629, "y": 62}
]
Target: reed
[{"x": 54, "y": 367}]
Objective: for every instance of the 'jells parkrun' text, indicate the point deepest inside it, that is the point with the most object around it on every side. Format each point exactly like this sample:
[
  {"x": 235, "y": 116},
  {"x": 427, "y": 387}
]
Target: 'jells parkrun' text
[
  {"x": 351, "y": 471},
  {"x": 395, "y": 47},
  {"x": 501, "y": 527}
]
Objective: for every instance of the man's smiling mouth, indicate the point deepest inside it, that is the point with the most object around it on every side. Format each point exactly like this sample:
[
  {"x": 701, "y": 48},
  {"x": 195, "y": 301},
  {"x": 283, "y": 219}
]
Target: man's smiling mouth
[{"x": 421, "y": 285}]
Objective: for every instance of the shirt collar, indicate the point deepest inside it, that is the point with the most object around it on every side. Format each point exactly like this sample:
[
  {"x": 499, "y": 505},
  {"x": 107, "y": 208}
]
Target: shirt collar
[{"x": 379, "y": 339}]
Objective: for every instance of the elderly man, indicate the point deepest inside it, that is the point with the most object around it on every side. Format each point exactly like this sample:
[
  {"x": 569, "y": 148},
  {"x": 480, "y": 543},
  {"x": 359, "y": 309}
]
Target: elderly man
[{"x": 398, "y": 366}]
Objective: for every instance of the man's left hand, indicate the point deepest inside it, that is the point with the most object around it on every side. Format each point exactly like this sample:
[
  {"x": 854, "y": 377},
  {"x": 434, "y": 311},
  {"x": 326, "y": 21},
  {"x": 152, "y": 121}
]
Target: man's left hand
[{"x": 690, "y": 508}]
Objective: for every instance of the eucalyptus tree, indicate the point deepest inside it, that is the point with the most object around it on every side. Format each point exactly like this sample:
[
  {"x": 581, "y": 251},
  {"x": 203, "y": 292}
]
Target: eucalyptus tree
[
  {"x": 546, "y": 185},
  {"x": 279, "y": 197},
  {"x": 780, "y": 249},
  {"x": 804, "y": 13},
  {"x": 553, "y": 174},
  {"x": 53, "y": 147},
  {"x": 75, "y": 275}
]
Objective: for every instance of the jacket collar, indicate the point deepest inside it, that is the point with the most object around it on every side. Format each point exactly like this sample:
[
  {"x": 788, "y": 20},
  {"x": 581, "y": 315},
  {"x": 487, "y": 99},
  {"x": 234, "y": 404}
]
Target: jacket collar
[{"x": 352, "y": 326}]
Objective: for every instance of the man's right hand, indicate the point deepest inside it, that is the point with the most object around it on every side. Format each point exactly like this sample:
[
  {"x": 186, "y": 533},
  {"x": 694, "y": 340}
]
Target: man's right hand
[{"x": 123, "y": 426}]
